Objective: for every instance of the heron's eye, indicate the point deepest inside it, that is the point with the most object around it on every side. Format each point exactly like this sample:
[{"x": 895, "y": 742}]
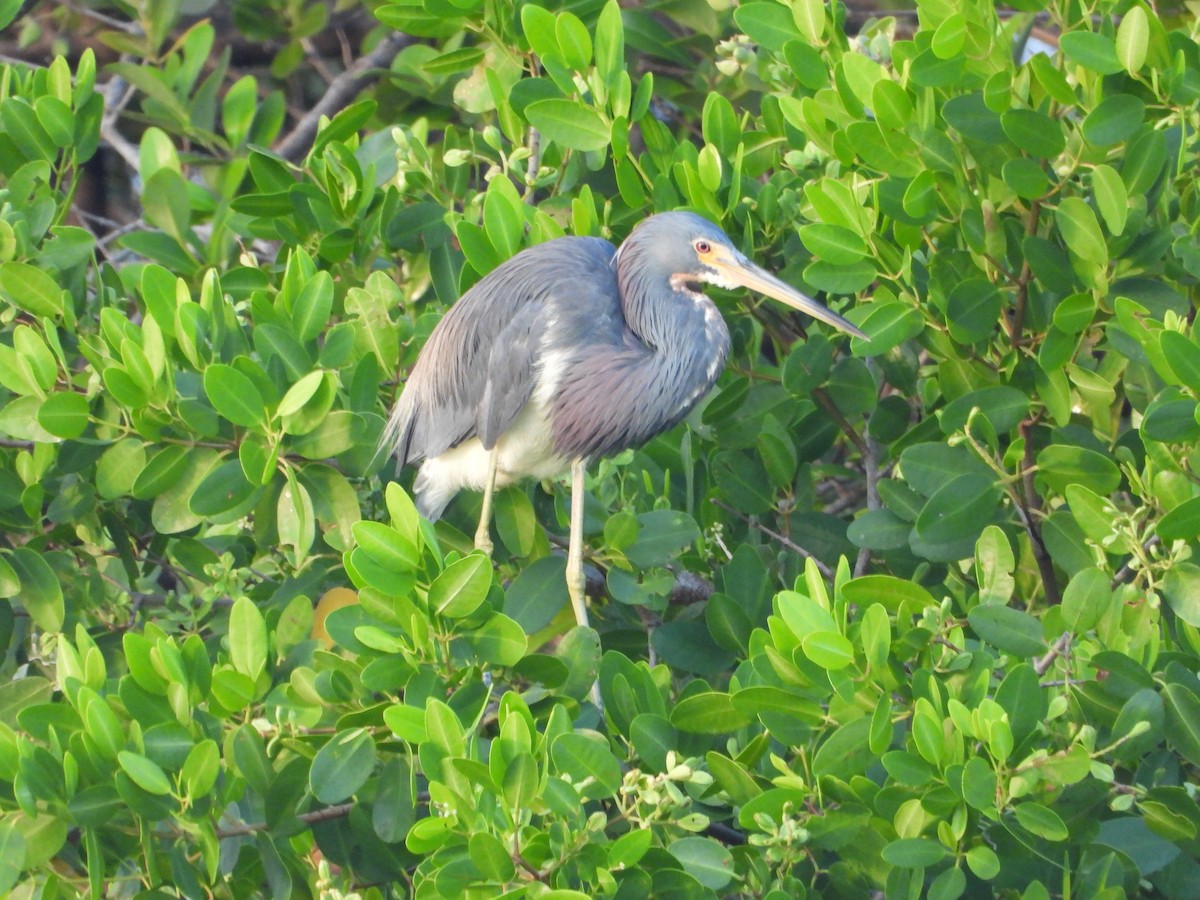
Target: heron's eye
[{"x": 703, "y": 246}]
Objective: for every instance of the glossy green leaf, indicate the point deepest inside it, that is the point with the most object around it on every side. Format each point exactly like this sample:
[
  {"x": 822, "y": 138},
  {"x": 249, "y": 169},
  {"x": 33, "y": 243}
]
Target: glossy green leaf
[
  {"x": 583, "y": 758},
  {"x": 462, "y": 587},
  {"x": 569, "y": 123},
  {"x": 342, "y": 766},
  {"x": 1008, "y": 630},
  {"x": 41, "y": 594},
  {"x": 30, "y": 289},
  {"x": 144, "y": 773},
  {"x": 234, "y": 395}
]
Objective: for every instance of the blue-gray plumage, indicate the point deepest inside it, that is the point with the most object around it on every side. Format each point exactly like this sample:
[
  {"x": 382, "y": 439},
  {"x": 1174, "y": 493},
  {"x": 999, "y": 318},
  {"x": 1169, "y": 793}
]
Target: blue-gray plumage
[{"x": 570, "y": 351}]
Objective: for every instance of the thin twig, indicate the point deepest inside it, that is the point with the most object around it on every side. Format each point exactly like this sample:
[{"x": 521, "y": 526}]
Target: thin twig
[
  {"x": 1126, "y": 571},
  {"x": 1018, "y": 319},
  {"x": 871, "y": 471},
  {"x": 787, "y": 542},
  {"x": 245, "y": 829},
  {"x": 1032, "y": 502},
  {"x": 11, "y": 444},
  {"x": 1042, "y": 665},
  {"x": 116, "y": 96},
  {"x": 535, "y": 162},
  {"x": 297, "y": 142}
]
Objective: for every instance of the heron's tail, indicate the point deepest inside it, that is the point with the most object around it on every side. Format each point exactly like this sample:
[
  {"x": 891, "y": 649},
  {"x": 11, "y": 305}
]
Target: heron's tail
[
  {"x": 396, "y": 437},
  {"x": 432, "y": 495}
]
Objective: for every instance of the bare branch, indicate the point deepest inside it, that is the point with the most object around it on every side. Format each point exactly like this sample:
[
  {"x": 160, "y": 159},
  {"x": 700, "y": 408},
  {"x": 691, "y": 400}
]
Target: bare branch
[
  {"x": 775, "y": 535},
  {"x": 297, "y": 142}
]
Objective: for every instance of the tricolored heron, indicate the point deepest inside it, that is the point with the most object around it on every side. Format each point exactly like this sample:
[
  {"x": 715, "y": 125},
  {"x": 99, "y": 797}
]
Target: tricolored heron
[{"x": 569, "y": 351}]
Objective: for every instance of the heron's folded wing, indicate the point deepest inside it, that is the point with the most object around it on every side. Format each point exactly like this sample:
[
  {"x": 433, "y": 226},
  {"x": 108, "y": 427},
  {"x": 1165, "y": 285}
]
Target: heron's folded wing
[{"x": 491, "y": 336}]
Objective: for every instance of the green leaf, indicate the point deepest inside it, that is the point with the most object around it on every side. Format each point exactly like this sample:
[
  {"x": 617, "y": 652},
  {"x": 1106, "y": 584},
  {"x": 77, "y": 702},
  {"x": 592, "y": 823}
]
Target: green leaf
[
  {"x": 490, "y": 857},
  {"x": 342, "y": 766},
  {"x": 1181, "y": 523},
  {"x": 1181, "y": 587},
  {"x": 25, "y": 131},
  {"x": 234, "y": 395},
  {"x": 1042, "y": 821},
  {"x": 200, "y": 770},
  {"x": 1086, "y": 599},
  {"x": 1183, "y": 356},
  {"x": 64, "y": 415},
  {"x": 582, "y": 757},
  {"x": 223, "y": 489},
  {"x": 1008, "y": 630},
  {"x": 983, "y": 861},
  {"x": 499, "y": 641},
  {"x": 913, "y": 853},
  {"x": 705, "y": 860},
  {"x": 1133, "y": 39},
  {"x": 1115, "y": 119},
  {"x": 247, "y": 638},
  {"x": 1034, "y": 132},
  {"x": 311, "y": 308},
  {"x": 1092, "y": 51},
  {"x": 521, "y": 781},
  {"x": 41, "y": 594},
  {"x": 972, "y": 310},
  {"x": 387, "y": 547},
  {"x": 573, "y": 41},
  {"x": 580, "y": 650},
  {"x": 768, "y": 24},
  {"x": 145, "y": 773},
  {"x": 828, "y": 649},
  {"x": 30, "y": 289},
  {"x": 165, "y": 200},
  {"x": 462, "y": 587},
  {"x": 1027, "y": 177},
  {"x": 12, "y": 841},
  {"x": 610, "y": 42},
  {"x": 809, "y": 16},
  {"x": 886, "y": 590},
  {"x": 1111, "y": 198},
  {"x": 959, "y": 509},
  {"x": 537, "y": 593},
  {"x": 662, "y": 535},
  {"x": 1081, "y": 231},
  {"x": 569, "y": 123},
  {"x": 1061, "y": 465},
  {"x": 838, "y": 245},
  {"x": 711, "y": 712}
]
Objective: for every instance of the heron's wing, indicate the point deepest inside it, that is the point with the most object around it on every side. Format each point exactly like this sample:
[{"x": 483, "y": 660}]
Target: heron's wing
[{"x": 481, "y": 363}]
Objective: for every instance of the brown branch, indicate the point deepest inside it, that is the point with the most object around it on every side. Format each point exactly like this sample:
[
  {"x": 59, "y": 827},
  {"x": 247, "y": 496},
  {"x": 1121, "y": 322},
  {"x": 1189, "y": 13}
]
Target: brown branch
[
  {"x": 1058, "y": 649},
  {"x": 775, "y": 535},
  {"x": 246, "y": 829},
  {"x": 11, "y": 444},
  {"x": 826, "y": 403},
  {"x": 298, "y": 141},
  {"x": 1031, "y": 503},
  {"x": 1018, "y": 319}
]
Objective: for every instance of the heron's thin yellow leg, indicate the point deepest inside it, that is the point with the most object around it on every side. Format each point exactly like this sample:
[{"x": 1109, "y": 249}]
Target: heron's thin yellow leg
[
  {"x": 483, "y": 537},
  {"x": 576, "y": 582}
]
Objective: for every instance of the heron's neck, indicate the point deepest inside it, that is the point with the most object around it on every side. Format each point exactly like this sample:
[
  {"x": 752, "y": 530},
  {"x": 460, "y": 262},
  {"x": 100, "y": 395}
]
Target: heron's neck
[{"x": 670, "y": 319}]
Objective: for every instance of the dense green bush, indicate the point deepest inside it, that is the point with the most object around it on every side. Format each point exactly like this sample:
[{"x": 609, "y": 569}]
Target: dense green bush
[{"x": 945, "y": 634}]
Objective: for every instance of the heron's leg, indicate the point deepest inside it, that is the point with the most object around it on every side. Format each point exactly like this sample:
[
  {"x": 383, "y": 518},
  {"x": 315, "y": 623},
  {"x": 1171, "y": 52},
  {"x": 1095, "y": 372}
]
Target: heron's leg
[
  {"x": 576, "y": 581},
  {"x": 575, "y": 577},
  {"x": 483, "y": 536}
]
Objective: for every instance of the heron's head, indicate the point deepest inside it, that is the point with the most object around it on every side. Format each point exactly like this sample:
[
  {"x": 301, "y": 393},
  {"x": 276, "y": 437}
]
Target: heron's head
[{"x": 687, "y": 251}]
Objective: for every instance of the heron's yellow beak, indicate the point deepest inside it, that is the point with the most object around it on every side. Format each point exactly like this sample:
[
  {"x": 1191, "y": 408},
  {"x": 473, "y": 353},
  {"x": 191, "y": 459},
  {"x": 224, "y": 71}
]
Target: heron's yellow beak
[{"x": 736, "y": 269}]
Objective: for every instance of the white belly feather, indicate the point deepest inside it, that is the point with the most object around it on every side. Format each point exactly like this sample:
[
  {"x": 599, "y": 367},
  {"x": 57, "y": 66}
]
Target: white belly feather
[{"x": 525, "y": 449}]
